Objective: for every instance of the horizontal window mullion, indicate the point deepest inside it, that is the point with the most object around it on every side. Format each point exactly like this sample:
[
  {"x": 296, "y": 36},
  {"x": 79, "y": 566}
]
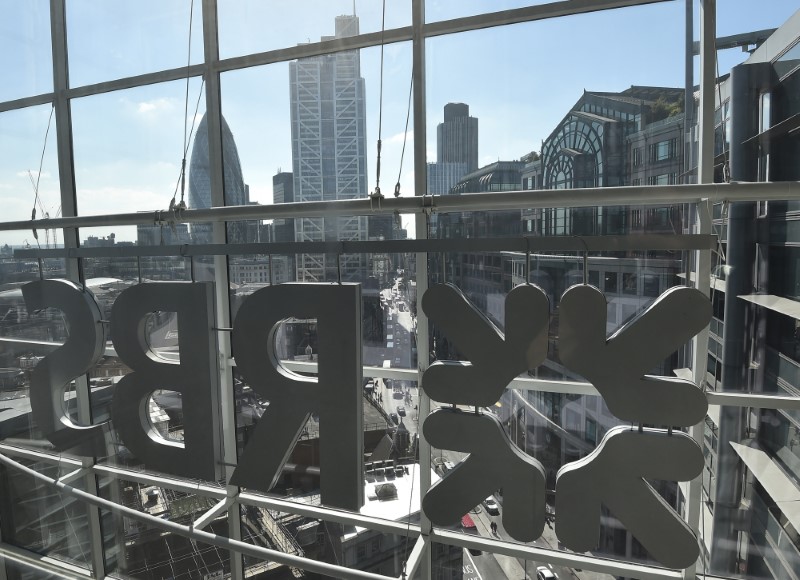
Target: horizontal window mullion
[
  {"x": 517, "y": 244},
  {"x": 492, "y": 201}
]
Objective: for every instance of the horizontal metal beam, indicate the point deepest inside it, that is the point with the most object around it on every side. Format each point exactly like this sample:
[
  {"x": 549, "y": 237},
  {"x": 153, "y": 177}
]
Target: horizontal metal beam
[
  {"x": 312, "y": 49},
  {"x": 765, "y": 401},
  {"x": 44, "y": 345},
  {"x": 47, "y": 455},
  {"x": 492, "y": 201},
  {"x": 214, "y": 539},
  {"x": 631, "y": 242},
  {"x": 528, "y": 14},
  {"x": 163, "y": 76},
  {"x": 567, "y": 559},
  {"x": 760, "y": 400},
  {"x": 49, "y": 567},
  {"x": 26, "y": 102},
  {"x": 331, "y": 515},
  {"x": 150, "y": 478}
]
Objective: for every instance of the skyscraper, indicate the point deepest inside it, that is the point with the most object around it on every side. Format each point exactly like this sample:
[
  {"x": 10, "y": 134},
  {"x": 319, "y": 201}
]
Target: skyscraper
[
  {"x": 200, "y": 182},
  {"x": 457, "y": 137},
  {"x": 456, "y": 149},
  {"x": 329, "y": 159},
  {"x": 283, "y": 192}
]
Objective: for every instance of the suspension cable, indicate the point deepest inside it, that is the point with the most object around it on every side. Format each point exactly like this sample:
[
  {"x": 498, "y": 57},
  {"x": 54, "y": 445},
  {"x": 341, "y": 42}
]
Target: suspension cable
[
  {"x": 377, "y": 192},
  {"x": 182, "y": 203},
  {"x": 36, "y": 199},
  {"x": 405, "y": 137}
]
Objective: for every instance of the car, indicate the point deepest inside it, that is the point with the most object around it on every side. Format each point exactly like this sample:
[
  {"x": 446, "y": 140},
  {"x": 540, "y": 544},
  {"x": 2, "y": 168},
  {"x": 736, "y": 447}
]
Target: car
[
  {"x": 469, "y": 527},
  {"x": 545, "y": 573},
  {"x": 401, "y": 410},
  {"x": 491, "y": 507},
  {"x": 394, "y": 418}
]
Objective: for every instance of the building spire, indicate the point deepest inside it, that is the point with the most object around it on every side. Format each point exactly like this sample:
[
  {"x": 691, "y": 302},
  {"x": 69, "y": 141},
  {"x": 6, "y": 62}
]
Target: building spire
[{"x": 354, "y": 7}]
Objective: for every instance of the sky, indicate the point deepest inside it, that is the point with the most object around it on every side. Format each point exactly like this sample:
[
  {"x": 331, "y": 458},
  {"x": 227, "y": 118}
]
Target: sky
[{"x": 518, "y": 80}]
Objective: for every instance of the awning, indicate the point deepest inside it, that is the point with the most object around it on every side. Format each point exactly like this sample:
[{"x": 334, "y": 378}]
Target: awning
[{"x": 780, "y": 488}]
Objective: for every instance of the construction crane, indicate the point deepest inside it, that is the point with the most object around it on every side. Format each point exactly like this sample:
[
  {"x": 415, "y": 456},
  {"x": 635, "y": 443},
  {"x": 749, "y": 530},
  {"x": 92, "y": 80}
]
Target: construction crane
[{"x": 44, "y": 213}]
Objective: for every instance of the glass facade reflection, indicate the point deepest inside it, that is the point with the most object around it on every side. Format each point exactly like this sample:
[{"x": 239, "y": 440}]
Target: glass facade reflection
[{"x": 110, "y": 111}]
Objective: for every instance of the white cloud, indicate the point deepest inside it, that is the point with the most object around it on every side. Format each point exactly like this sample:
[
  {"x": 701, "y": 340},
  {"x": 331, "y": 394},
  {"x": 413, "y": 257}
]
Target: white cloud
[
  {"x": 44, "y": 175},
  {"x": 399, "y": 138},
  {"x": 104, "y": 200},
  {"x": 153, "y": 106}
]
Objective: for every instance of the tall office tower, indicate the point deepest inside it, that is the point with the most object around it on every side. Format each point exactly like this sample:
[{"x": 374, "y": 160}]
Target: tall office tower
[
  {"x": 457, "y": 137},
  {"x": 200, "y": 183},
  {"x": 456, "y": 149},
  {"x": 283, "y": 192},
  {"x": 329, "y": 159}
]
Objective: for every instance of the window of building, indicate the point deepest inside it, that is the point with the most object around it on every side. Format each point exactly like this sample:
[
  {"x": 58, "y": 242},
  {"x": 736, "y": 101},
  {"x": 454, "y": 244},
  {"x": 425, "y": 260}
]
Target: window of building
[
  {"x": 610, "y": 282},
  {"x": 650, "y": 285},
  {"x": 663, "y": 150},
  {"x": 591, "y": 431},
  {"x": 637, "y": 156},
  {"x": 572, "y": 421},
  {"x": 629, "y": 283},
  {"x": 662, "y": 179}
]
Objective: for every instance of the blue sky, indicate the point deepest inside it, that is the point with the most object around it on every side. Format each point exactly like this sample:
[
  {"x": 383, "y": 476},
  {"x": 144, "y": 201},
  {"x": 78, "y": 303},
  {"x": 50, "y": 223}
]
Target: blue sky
[{"x": 518, "y": 80}]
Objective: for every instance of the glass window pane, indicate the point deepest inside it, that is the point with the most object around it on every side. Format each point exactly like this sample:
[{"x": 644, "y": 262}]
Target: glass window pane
[
  {"x": 322, "y": 115},
  {"x": 444, "y": 10},
  {"x": 260, "y": 26},
  {"x": 129, "y": 38},
  {"x": 36, "y": 517},
  {"x": 25, "y": 53},
  {"x": 25, "y": 339},
  {"x": 141, "y": 550},
  {"x": 128, "y": 151},
  {"x": 28, "y": 143}
]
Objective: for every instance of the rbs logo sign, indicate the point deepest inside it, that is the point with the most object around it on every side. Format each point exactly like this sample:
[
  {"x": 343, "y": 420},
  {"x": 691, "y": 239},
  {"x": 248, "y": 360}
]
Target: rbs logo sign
[{"x": 614, "y": 474}]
